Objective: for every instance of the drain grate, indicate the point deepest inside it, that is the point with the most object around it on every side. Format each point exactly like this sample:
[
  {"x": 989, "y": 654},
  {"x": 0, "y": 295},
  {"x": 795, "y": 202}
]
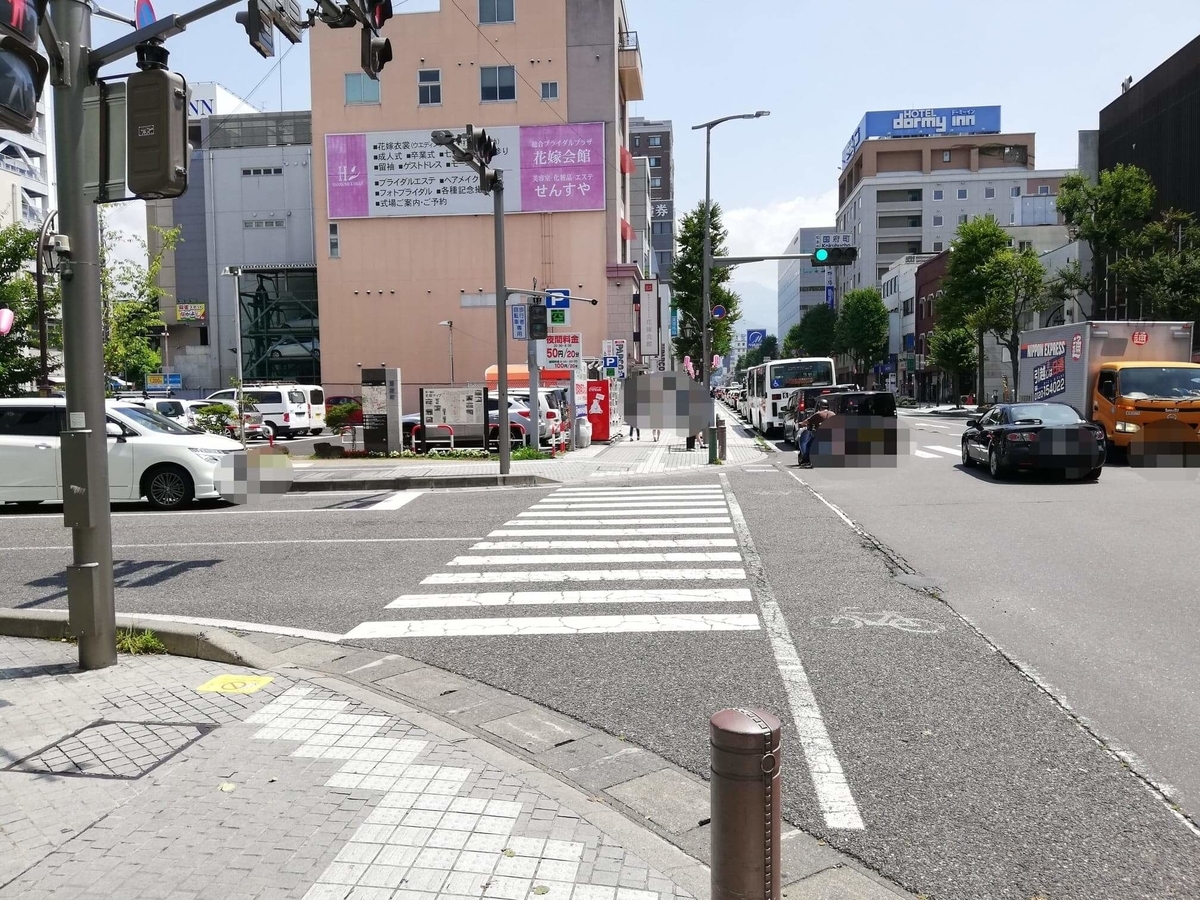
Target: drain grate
[{"x": 109, "y": 749}]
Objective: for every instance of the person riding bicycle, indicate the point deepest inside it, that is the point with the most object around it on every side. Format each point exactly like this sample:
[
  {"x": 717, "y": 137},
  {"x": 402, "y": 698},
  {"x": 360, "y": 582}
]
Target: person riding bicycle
[{"x": 811, "y": 424}]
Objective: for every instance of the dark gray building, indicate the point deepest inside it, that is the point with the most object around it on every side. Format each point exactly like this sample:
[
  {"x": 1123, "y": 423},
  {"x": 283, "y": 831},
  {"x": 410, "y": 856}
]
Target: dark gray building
[
  {"x": 248, "y": 206},
  {"x": 653, "y": 139}
]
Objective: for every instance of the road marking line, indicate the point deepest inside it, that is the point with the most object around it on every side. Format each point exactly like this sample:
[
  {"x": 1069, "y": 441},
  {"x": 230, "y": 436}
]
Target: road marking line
[
  {"x": 536, "y": 513},
  {"x": 533, "y": 559},
  {"x": 923, "y": 455},
  {"x": 234, "y": 625},
  {"x": 396, "y": 500},
  {"x": 625, "y": 504},
  {"x": 661, "y": 488},
  {"x": 685, "y": 520},
  {"x": 531, "y": 625},
  {"x": 263, "y": 543},
  {"x": 602, "y": 532},
  {"x": 587, "y": 575},
  {"x": 949, "y": 451},
  {"x": 551, "y": 598},
  {"x": 829, "y": 780},
  {"x": 659, "y": 543}
]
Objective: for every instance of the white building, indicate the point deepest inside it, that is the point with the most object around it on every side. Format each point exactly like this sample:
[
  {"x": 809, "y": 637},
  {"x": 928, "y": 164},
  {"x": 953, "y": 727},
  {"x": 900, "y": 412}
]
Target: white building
[
  {"x": 899, "y": 292},
  {"x": 25, "y": 177},
  {"x": 800, "y": 285}
]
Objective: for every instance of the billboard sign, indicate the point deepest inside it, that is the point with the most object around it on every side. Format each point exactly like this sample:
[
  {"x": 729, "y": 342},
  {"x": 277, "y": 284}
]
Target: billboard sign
[
  {"x": 564, "y": 351},
  {"x": 383, "y": 174},
  {"x": 755, "y": 338},
  {"x": 923, "y": 122},
  {"x": 189, "y": 312},
  {"x": 520, "y": 328}
]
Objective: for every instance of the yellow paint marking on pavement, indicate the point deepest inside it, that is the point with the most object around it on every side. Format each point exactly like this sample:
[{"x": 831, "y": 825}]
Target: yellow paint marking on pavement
[{"x": 235, "y": 684}]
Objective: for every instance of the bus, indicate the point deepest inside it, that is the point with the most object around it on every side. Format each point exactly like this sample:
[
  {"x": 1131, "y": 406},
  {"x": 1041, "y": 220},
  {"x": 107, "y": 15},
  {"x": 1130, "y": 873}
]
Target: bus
[{"x": 769, "y": 385}]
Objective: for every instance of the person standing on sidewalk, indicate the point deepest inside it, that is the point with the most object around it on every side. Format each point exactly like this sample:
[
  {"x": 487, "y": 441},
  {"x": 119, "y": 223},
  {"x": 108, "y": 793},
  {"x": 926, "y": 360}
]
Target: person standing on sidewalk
[{"x": 633, "y": 429}]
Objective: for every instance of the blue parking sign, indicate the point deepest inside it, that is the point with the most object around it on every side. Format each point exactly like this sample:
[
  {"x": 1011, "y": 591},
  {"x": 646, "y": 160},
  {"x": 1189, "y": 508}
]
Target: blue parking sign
[{"x": 558, "y": 298}]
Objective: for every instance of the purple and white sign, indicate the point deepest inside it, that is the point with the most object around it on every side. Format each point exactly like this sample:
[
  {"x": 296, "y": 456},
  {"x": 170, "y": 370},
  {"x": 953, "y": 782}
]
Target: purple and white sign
[
  {"x": 560, "y": 168},
  {"x": 346, "y": 168}
]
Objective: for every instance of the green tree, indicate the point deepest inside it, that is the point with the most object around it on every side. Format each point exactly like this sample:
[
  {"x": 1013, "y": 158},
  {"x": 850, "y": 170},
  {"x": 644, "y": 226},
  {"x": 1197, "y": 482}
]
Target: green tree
[
  {"x": 966, "y": 284},
  {"x": 1161, "y": 272},
  {"x": 130, "y": 297},
  {"x": 19, "y": 359},
  {"x": 816, "y": 334},
  {"x": 1015, "y": 290},
  {"x": 791, "y": 342},
  {"x": 953, "y": 351},
  {"x": 687, "y": 275},
  {"x": 862, "y": 328},
  {"x": 1108, "y": 216}
]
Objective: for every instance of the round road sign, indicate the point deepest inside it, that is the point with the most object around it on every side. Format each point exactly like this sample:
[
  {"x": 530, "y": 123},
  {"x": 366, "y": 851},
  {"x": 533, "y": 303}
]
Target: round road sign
[{"x": 719, "y": 312}]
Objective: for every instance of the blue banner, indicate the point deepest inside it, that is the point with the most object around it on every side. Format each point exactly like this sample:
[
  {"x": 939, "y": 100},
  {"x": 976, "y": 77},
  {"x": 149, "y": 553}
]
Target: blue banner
[
  {"x": 755, "y": 338},
  {"x": 925, "y": 122},
  {"x": 674, "y": 323}
]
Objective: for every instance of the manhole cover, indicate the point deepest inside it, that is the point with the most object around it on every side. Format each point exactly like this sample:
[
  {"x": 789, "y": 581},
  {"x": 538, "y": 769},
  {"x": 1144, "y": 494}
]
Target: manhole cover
[{"x": 107, "y": 749}]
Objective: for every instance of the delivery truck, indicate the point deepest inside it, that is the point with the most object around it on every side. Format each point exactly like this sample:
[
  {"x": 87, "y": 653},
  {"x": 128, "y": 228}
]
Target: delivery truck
[{"x": 1121, "y": 375}]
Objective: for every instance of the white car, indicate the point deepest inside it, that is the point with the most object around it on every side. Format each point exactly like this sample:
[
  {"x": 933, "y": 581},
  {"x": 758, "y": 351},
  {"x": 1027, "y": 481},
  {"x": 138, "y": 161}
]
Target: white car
[
  {"x": 289, "y": 346},
  {"x": 149, "y": 455}
]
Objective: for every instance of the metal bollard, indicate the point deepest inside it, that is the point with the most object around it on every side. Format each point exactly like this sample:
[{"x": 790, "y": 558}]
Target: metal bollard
[
  {"x": 744, "y": 805},
  {"x": 721, "y": 438}
]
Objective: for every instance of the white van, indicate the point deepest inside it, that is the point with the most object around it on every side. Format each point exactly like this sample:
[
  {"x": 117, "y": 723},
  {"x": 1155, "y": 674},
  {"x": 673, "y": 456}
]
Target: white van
[
  {"x": 316, "y": 407},
  {"x": 284, "y": 407},
  {"x": 149, "y": 455}
]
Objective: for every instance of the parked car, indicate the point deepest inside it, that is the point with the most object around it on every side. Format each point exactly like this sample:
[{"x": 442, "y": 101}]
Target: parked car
[
  {"x": 315, "y": 396},
  {"x": 854, "y": 402},
  {"x": 801, "y": 404},
  {"x": 1019, "y": 436},
  {"x": 291, "y": 347},
  {"x": 149, "y": 455},
  {"x": 284, "y": 407}
]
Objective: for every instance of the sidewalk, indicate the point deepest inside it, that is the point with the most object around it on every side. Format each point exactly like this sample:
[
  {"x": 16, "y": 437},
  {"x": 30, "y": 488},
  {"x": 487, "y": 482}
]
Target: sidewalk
[
  {"x": 168, "y": 778},
  {"x": 621, "y": 458}
]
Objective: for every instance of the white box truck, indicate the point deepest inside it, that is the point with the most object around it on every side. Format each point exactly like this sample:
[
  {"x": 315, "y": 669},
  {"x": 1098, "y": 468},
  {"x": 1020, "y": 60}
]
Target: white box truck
[{"x": 1121, "y": 375}]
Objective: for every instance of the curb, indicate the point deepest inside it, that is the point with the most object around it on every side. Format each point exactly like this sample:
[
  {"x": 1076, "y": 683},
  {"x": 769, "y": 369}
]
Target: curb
[
  {"x": 180, "y": 639},
  {"x": 408, "y": 483}
]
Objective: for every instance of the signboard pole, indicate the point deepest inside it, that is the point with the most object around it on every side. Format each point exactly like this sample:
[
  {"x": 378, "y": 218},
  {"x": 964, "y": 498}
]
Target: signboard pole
[
  {"x": 535, "y": 400},
  {"x": 501, "y": 324}
]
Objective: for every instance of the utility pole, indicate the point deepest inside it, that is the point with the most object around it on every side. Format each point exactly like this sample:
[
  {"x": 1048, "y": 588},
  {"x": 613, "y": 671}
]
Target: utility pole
[{"x": 535, "y": 382}]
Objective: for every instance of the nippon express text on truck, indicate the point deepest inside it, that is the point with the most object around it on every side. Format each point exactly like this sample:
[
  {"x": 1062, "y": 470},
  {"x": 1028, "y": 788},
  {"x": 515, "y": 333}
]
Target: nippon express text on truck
[{"x": 1123, "y": 376}]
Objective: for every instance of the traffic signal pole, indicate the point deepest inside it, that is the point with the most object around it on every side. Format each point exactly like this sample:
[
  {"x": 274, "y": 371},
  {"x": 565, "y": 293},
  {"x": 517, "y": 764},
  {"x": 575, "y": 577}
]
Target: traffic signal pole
[
  {"x": 504, "y": 431},
  {"x": 85, "y": 475}
]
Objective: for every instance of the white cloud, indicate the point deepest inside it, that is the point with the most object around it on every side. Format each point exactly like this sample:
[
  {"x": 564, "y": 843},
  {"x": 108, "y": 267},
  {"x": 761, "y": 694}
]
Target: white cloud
[
  {"x": 769, "y": 229},
  {"x": 130, "y": 219}
]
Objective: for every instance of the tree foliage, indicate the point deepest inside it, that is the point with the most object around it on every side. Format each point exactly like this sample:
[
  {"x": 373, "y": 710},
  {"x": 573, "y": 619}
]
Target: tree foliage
[
  {"x": 1014, "y": 284},
  {"x": 816, "y": 334},
  {"x": 19, "y": 360},
  {"x": 862, "y": 328},
  {"x": 965, "y": 285},
  {"x": 768, "y": 349},
  {"x": 1161, "y": 272},
  {"x": 953, "y": 350},
  {"x": 687, "y": 276}
]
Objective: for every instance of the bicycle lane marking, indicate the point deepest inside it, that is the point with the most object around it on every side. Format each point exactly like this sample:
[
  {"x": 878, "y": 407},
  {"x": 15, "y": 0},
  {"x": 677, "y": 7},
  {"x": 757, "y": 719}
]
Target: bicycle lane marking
[{"x": 825, "y": 769}]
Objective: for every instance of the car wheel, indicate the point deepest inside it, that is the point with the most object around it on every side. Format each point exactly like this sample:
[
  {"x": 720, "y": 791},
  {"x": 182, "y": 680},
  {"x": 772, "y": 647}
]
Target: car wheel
[
  {"x": 275, "y": 354},
  {"x": 997, "y": 471},
  {"x": 967, "y": 462},
  {"x": 316, "y": 354},
  {"x": 268, "y": 430},
  {"x": 1094, "y": 474},
  {"x": 316, "y": 431},
  {"x": 167, "y": 487}
]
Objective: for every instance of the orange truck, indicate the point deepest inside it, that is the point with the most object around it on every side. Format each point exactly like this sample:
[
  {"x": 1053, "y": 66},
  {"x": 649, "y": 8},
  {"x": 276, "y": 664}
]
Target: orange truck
[{"x": 1124, "y": 376}]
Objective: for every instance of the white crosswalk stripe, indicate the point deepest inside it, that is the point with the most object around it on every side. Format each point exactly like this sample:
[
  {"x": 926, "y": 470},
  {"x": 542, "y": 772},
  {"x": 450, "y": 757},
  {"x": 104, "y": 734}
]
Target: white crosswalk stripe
[{"x": 658, "y": 536}]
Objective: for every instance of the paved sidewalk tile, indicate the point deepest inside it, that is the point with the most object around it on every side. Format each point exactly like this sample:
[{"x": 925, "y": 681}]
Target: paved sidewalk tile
[{"x": 127, "y": 782}]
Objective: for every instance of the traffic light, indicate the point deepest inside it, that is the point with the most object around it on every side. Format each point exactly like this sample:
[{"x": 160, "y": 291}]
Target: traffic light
[
  {"x": 158, "y": 152},
  {"x": 259, "y": 25},
  {"x": 539, "y": 325},
  {"x": 22, "y": 69},
  {"x": 378, "y": 12},
  {"x": 376, "y": 52},
  {"x": 289, "y": 20},
  {"x": 482, "y": 147},
  {"x": 834, "y": 256}
]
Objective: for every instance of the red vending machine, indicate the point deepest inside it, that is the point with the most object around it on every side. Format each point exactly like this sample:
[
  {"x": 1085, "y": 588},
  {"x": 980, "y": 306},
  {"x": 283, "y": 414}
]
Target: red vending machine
[{"x": 599, "y": 409}]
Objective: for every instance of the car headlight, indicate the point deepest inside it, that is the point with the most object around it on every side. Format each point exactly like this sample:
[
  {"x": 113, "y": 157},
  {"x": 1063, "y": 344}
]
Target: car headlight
[
  {"x": 208, "y": 455},
  {"x": 1128, "y": 427}
]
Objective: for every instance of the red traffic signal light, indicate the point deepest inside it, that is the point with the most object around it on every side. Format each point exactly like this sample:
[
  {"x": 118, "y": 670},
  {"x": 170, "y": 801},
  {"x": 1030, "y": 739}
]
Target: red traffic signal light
[
  {"x": 378, "y": 12},
  {"x": 22, "y": 69}
]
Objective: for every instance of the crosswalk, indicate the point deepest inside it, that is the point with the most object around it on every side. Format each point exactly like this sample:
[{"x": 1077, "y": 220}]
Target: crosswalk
[
  {"x": 934, "y": 451},
  {"x": 676, "y": 543}
]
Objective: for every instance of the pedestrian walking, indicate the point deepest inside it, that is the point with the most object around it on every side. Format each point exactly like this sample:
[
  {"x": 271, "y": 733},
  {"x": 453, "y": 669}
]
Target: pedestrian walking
[{"x": 634, "y": 430}]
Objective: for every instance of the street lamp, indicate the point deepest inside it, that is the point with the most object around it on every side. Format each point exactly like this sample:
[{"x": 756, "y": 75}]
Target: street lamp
[
  {"x": 706, "y": 276},
  {"x": 235, "y": 272},
  {"x": 449, "y": 323}
]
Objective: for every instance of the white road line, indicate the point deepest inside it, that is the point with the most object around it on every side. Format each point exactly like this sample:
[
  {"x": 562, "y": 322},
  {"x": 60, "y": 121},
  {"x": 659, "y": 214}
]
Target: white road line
[
  {"x": 923, "y": 455},
  {"x": 626, "y": 504},
  {"x": 949, "y": 451},
  {"x": 235, "y": 625},
  {"x": 552, "y": 598},
  {"x": 536, "y": 513},
  {"x": 622, "y": 521},
  {"x": 586, "y": 575},
  {"x": 829, "y": 780},
  {"x": 662, "y": 488},
  {"x": 358, "y": 540},
  {"x": 603, "y": 532},
  {"x": 167, "y": 516},
  {"x": 396, "y": 500},
  {"x": 537, "y": 559},
  {"x": 646, "y": 544},
  {"x": 533, "y": 625}
]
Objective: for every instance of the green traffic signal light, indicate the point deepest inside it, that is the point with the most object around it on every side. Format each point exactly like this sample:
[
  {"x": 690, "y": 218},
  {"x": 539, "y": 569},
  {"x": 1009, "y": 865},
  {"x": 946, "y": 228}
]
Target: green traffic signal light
[{"x": 820, "y": 255}]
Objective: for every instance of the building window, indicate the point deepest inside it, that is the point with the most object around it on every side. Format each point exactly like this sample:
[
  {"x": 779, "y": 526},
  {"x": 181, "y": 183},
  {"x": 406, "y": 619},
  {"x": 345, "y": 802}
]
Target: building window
[
  {"x": 203, "y": 336},
  {"x": 945, "y": 156},
  {"x": 962, "y": 193},
  {"x": 429, "y": 87},
  {"x": 549, "y": 90},
  {"x": 937, "y": 221},
  {"x": 637, "y": 141},
  {"x": 1043, "y": 190},
  {"x": 962, "y": 218},
  {"x": 989, "y": 193},
  {"x": 360, "y": 89},
  {"x": 656, "y": 182},
  {"x": 656, "y": 162},
  {"x": 1012, "y": 218},
  {"x": 938, "y": 194},
  {"x": 492, "y": 12},
  {"x": 497, "y": 83},
  {"x": 655, "y": 140},
  {"x": 263, "y": 170},
  {"x": 1025, "y": 245},
  {"x": 937, "y": 246},
  {"x": 335, "y": 241},
  {"x": 1015, "y": 191},
  {"x": 264, "y": 223},
  {"x": 663, "y": 226}
]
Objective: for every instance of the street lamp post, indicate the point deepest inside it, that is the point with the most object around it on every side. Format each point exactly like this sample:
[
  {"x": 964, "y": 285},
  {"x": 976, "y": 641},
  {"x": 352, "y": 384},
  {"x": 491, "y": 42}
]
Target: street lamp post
[
  {"x": 449, "y": 323},
  {"x": 235, "y": 272},
  {"x": 706, "y": 275},
  {"x": 43, "y": 324}
]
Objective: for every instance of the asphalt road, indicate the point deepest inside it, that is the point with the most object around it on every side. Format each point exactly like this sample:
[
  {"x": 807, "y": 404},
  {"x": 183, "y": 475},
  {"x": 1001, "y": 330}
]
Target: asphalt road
[{"x": 966, "y": 778}]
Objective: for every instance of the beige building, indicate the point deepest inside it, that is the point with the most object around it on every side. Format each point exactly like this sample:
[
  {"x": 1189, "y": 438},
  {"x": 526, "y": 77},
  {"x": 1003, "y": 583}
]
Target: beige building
[{"x": 405, "y": 240}]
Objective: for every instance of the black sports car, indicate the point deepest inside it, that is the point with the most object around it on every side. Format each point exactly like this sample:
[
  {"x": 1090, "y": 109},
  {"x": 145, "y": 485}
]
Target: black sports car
[{"x": 1015, "y": 436}]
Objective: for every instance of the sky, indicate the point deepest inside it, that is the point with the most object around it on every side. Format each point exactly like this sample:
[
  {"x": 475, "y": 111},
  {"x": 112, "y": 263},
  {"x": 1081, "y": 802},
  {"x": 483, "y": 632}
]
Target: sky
[{"x": 817, "y": 68}]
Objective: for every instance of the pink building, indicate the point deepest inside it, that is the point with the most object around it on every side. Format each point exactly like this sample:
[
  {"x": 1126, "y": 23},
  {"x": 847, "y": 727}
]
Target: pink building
[{"x": 404, "y": 240}]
